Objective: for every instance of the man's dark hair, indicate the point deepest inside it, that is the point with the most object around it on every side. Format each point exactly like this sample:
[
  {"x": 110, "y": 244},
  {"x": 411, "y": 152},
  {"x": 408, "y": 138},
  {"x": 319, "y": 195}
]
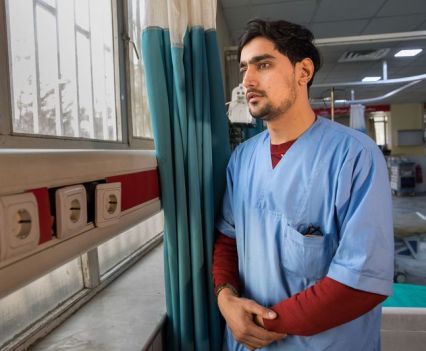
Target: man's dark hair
[{"x": 292, "y": 40}]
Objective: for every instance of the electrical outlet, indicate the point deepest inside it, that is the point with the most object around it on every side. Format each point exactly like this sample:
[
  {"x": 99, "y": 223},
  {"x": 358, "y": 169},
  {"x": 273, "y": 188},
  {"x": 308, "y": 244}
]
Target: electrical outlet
[
  {"x": 71, "y": 210},
  {"x": 19, "y": 224},
  {"x": 108, "y": 204}
]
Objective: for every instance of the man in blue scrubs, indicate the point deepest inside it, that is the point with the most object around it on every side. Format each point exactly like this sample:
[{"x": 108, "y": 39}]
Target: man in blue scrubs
[{"x": 313, "y": 232}]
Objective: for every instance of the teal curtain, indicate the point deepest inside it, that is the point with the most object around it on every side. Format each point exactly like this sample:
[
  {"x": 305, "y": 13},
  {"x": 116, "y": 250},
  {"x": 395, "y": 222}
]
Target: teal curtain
[{"x": 186, "y": 101}]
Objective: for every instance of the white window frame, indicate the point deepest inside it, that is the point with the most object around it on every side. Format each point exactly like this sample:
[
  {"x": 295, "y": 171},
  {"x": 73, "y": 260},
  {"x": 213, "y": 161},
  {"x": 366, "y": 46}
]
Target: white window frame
[{"x": 122, "y": 49}]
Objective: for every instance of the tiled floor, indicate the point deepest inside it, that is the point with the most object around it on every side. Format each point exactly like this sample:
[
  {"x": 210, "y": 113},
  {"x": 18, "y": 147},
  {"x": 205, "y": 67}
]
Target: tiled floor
[
  {"x": 408, "y": 212},
  {"x": 409, "y": 215}
]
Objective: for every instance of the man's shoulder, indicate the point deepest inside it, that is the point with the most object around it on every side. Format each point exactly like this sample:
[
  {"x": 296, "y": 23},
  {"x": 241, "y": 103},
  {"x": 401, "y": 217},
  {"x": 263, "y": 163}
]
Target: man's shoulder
[
  {"x": 348, "y": 138},
  {"x": 250, "y": 144},
  {"x": 246, "y": 150}
]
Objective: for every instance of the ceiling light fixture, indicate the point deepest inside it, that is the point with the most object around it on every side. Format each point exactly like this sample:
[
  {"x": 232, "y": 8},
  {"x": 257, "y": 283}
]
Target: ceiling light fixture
[
  {"x": 408, "y": 53},
  {"x": 371, "y": 79}
]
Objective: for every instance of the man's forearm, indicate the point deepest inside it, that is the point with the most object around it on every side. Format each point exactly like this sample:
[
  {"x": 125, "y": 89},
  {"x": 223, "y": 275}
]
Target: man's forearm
[
  {"x": 323, "y": 306},
  {"x": 225, "y": 263}
]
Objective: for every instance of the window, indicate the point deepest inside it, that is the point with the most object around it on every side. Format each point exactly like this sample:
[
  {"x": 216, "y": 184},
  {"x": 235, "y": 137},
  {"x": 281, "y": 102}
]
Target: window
[
  {"x": 122, "y": 246},
  {"x": 61, "y": 57},
  {"x": 141, "y": 118},
  {"x": 20, "y": 309},
  {"x": 380, "y": 120}
]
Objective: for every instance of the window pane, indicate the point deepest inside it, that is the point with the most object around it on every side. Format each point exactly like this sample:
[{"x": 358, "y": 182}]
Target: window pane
[
  {"x": 141, "y": 117},
  {"x": 118, "y": 248},
  {"x": 62, "y": 68},
  {"x": 380, "y": 133},
  {"x": 380, "y": 126},
  {"x": 68, "y": 69},
  {"x": 84, "y": 86},
  {"x": 22, "y": 59},
  {"x": 25, "y": 306},
  {"x": 50, "y": 2},
  {"x": 48, "y": 72}
]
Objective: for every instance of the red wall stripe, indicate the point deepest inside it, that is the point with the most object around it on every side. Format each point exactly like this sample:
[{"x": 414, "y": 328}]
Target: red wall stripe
[
  {"x": 137, "y": 188},
  {"x": 44, "y": 215},
  {"x": 345, "y": 110}
]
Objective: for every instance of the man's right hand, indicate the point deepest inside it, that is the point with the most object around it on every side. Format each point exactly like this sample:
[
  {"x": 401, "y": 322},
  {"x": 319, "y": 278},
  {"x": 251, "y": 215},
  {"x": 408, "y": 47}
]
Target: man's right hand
[{"x": 240, "y": 313}]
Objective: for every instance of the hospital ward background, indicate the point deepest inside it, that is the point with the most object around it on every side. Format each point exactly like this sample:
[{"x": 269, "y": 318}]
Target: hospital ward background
[{"x": 117, "y": 118}]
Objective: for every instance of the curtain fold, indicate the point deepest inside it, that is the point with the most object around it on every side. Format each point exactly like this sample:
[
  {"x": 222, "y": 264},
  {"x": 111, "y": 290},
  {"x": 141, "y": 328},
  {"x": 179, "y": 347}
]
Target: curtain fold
[{"x": 186, "y": 101}]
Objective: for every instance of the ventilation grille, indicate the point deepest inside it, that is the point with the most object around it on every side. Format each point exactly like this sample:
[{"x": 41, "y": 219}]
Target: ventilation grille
[{"x": 363, "y": 55}]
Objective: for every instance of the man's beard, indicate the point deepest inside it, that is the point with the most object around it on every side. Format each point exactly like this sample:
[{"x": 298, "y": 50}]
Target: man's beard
[{"x": 270, "y": 112}]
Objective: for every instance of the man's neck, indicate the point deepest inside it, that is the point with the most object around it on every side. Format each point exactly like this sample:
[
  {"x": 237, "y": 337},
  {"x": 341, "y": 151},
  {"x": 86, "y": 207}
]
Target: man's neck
[{"x": 290, "y": 125}]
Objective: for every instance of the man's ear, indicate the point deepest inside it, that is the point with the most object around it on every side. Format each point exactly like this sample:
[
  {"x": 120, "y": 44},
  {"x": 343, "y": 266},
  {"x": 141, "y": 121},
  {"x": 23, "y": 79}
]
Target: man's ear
[{"x": 306, "y": 71}]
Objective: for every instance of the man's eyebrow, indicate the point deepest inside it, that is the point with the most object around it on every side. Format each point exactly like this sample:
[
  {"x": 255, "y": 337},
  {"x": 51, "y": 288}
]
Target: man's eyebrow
[{"x": 257, "y": 59}]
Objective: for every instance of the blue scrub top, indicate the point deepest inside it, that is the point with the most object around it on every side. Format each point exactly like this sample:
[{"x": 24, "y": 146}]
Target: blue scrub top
[{"x": 332, "y": 177}]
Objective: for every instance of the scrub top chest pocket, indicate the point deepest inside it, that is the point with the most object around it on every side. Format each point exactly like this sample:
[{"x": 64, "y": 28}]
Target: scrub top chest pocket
[{"x": 308, "y": 256}]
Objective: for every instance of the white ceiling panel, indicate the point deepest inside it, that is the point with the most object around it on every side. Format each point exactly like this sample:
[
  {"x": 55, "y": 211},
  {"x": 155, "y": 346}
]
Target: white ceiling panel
[
  {"x": 331, "y": 54},
  {"x": 299, "y": 12},
  {"x": 422, "y": 26},
  {"x": 236, "y": 34},
  {"x": 337, "y": 29},
  {"x": 332, "y": 10},
  {"x": 265, "y": 2},
  {"x": 356, "y": 68},
  {"x": 409, "y": 70},
  {"x": 233, "y": 3},
  {"x": 237, "y": 17},
  {"x": 394, "y": 24},
  {"x": 402, "y": 7}
]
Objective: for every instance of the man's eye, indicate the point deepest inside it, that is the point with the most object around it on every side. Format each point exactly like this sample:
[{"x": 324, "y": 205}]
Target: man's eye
[
  {"x": 263, "y": 65},
  {"x": 243, "y": 69}
]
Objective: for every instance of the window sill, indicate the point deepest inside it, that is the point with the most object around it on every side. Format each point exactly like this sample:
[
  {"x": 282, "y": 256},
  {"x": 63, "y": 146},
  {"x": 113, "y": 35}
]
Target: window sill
[{"x": 127, "y": 315}]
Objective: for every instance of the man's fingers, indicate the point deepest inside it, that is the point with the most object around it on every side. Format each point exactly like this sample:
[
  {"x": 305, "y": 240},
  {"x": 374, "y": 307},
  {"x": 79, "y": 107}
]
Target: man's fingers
[
  {"x": 238, "y": 313},
  {"x": 255, "y": 308},
  {"x": 251, "y": 334},
  {"x": 264, "y": 334}
]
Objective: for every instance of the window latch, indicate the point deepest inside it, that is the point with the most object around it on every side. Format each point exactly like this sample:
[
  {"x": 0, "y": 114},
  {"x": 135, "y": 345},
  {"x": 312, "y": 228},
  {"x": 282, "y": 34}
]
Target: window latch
[{"x": 126, "y": 38}]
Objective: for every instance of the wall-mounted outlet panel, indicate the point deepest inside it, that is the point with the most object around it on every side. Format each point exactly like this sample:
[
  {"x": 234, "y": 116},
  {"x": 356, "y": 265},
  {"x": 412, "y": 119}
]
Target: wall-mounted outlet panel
[
  {"x": 71, "y": 210},
  {"x": 19, "y": 224},
  {"x": 108, "y": 204}
]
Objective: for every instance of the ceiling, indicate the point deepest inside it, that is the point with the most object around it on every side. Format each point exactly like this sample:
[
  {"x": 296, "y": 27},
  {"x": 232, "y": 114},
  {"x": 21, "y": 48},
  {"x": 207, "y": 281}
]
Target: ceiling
[{"x": 338, "y": 18}]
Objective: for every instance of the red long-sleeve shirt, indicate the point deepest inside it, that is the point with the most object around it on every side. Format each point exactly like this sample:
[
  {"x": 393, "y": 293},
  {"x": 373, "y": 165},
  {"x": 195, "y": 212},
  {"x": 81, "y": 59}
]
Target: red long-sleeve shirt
[{"x": 303, "y": 313}]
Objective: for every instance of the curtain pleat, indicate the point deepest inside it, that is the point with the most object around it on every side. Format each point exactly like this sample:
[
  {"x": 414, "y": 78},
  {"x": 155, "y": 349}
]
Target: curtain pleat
[{"x": 186, "y": 101}]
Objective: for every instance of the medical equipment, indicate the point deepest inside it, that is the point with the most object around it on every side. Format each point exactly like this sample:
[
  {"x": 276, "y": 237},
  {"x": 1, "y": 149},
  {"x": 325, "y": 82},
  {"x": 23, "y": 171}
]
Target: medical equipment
[{"x": 238, "y": 111}]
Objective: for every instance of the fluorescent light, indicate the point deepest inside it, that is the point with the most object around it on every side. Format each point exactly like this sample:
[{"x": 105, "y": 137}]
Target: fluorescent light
[
  {"x": 408, "y": 53},
  {"x": 371, "y": 79}
]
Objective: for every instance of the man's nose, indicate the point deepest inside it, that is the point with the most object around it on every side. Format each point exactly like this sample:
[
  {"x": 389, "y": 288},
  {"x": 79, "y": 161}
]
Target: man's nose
[{"x": 249, "y": 78}]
